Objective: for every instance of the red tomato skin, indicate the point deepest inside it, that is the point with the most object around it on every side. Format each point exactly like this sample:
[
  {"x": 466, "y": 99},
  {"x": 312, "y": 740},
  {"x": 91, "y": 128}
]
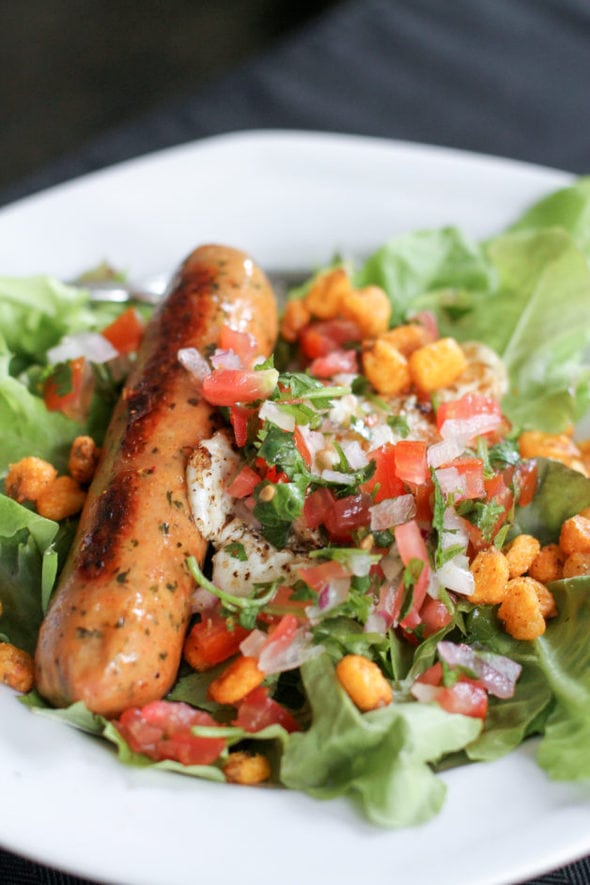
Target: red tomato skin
[
  {"x": 321, "y": 338},
  {"x": 470, "y": 471},
  {"x": 125, "y": 332},
  {"x": 434, "y": 615},
  {"x": 210, "y": 641},
  {"x": 410, "y": 462},
  {"x": 239, "y": 417},
  {"x": 317, "y": 576},
  {"x": 466, "y": 407},
  {"x": 385, "y": 479},
  {"x": 242, "y": 344},
  {"x": 346, "y": 515},
  {"x": 466, "y": 697},
  {"x": 302, "y": 447},
  {"x": 244, "y": 482},
  {"x": 333, "y": 363},
  {"x": 410, "y": 544},
  {"x": 432, "y": 676},
  {"x": 75, "y": 403},
  {"x": 162, "y": 730},
  {"x": 258, "y": 710},
  {"x": 226, "y": 387},
  {"x": 526, "y": 479}
]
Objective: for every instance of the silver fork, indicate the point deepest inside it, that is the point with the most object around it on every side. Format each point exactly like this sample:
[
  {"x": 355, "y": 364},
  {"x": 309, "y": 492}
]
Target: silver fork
[{"x": 150, "y": 290}]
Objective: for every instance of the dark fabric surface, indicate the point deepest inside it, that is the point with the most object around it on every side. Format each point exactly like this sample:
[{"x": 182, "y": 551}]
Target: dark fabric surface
[{"x": 506, "y": 77}]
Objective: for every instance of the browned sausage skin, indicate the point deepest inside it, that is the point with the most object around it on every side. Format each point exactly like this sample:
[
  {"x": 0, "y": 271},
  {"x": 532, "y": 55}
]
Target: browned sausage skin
[{"x": 114, "y": 631}]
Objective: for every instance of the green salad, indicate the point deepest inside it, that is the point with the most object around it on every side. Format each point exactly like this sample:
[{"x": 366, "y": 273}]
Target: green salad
[{"x": 386, "y": 503}]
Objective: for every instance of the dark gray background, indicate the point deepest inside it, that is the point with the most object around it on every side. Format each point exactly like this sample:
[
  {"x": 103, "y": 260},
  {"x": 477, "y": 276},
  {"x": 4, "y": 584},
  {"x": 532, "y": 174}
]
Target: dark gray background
[{"x": 70, "y": 69}]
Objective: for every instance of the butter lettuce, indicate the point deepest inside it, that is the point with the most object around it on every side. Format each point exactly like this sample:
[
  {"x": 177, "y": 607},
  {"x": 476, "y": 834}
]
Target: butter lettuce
[{"x": 525, "y": 293}]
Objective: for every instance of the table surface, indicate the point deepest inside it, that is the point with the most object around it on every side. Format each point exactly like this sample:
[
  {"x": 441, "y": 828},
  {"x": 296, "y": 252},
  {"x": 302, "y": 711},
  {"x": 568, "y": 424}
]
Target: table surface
[{"x": 502, "y": 77}]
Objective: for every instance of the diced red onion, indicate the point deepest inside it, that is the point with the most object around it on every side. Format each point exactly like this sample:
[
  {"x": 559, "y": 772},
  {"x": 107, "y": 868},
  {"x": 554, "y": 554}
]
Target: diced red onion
[
  {"x": 202, "y": 601},
  {"x": 336, "y": 476},
  {"x": 455, "y": 575},
  {"x": 269, "y": 411},
  {"x": 391, "y": 565},
  {"x": 195, "y": 363},
  {"x": 354, "y": 454},
  {"x": 226, "y": 359},
  {"x": 424, "y": 692},
  {"x": 375, "y": 623},
  {"x": 391, "y": 512},
  {"x": 278, "y": 659},
  {"x": 91, "y": 345},
  {"x": 498, "y": 673},
  {"x": 380, "y": 435},
  {"x": 252, "y": 645},
  {"x": 445, "y": 451},
  {"x": 333, "y": 594},
  {"x": 451, "y": 482},
  {"x": 467, "y": 429}
]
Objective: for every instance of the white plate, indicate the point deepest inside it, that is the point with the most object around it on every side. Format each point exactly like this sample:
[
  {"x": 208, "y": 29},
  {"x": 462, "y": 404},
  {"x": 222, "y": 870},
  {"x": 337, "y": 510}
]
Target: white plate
[{"x": 291, "y": 199}]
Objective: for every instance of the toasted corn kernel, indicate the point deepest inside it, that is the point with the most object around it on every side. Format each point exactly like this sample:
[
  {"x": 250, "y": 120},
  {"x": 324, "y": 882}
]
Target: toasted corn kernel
[
  {"x": 369, "y": 308},
  {"x": 490, "y": 573},
  {"x": 325, "y": 296},
  {"x": 62, "y": 498},
  {"x": 521, "y": 609},
  {"x": 576, "y": 564},
  {"x": 28, "y": 478},
  {"x": 521, "y": 553},
  {"x": 363, "y": 682},
  {"x": 83, "y": 459},
  {"x": 247, "y": 768},
  {"x": 16, "y": 667},
  {"x": 574, "y": 536},
  {"x": 239, "y": 679},
  {"x": 437, "y": 364},
  {"x": 386, "y": 368},
  {"x": 547, "y": 565}
]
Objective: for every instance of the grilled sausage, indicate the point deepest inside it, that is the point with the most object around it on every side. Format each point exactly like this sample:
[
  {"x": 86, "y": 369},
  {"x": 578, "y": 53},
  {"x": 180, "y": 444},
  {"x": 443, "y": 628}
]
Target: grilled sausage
[{"x": 113, "y": 634}]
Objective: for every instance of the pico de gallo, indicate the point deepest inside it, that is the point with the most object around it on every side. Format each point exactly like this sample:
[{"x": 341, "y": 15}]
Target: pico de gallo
[{"x": 398, "y": 514}]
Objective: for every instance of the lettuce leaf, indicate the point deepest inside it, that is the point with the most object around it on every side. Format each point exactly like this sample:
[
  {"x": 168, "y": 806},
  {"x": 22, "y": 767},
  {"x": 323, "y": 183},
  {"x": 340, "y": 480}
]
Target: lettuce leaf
[
  {"x": 28, "y": 566},
  {"x": 525, "y": 293},
  {"x": 564, "y": 654},
  {"x": 567, "y": 208},
  {"x": 380, "y": 759}
]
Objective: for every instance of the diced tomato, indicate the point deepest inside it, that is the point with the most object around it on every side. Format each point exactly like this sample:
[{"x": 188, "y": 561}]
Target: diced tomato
[
  {"x": 526, "y": 480},
  {"x": 126, "y": 331},
  {"x": 384, "y": 480},
  {"x": 210, "y": 642},
  {"x": 340, "y": 516},
  {"x": 432, "y": 676},
  {"x": 69, "y": 389},
  {"x": 281, "y": 635},
  {"x": 462, "y": 478},
  {"x": 318, "y": 576},
  {"x": 424, "y": 495},
  {"x": 346, "y": 515},
  {"x": 469, "y": 406},
  {"x": 258, "y": 710},
  {"x": 283, "y": 603},
  {"x": 319, "y": 339},
  {"x": 163, "y": 730},
  {"x": 244, "y": 483},
  {"x": 427, "y": 319},
  {"x": 466, "y": 697},
  {"x": 315, "y": 507},
  {"x": 434, "y": 615},
  {"x": 410, "y": 545},
  {"x": 226, "y": 387},
  {"x": 302, "y": 447},
  {"x": 240, "y": 418},
  {"x": 333, "y": 363},
  {"x": 410, "y": 461},
  {"x": 242, "y": 343},
  {"x": 498, "y": 492}
]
